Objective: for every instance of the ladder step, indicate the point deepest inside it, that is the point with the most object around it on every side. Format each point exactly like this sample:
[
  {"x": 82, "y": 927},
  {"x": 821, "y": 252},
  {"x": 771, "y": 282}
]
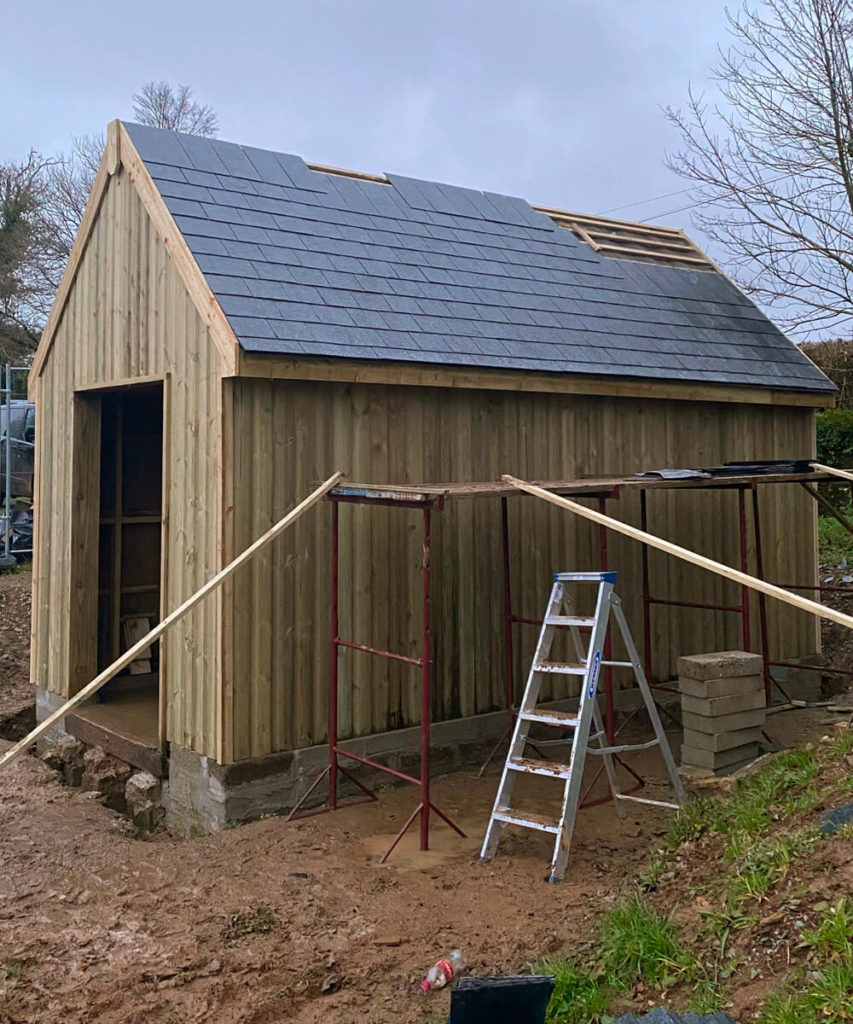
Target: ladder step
[
  {"x": 586, "y": 577},
  {"x": 551, "y": 769},
  {"x": 567, "y": 668},
  {"x": 562, "y": 719},
  {"x": 582, "y": 621},
  {"x": 527, "y": 820}
]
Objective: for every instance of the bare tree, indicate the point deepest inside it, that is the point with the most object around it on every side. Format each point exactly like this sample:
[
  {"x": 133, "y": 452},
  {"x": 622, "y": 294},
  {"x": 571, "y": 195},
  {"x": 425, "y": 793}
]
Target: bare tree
[
  {"x": 162, "y": 105},
  {"x": 42, "y": 202},
  {"x": 68, "y": 182},
  {"x": 773, "y": 162}
]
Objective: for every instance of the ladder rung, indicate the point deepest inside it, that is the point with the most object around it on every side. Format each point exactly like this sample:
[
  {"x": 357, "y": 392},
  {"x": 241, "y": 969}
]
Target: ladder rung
[
  {"x": 569, "y": 668},
  {"x": 582, "y": 621},
  {"x": 527, "y": 820},
  {"x": 552, "y": 769},
  {"x": 586, "y": 577},
  {"x": 562, "y": 719}
]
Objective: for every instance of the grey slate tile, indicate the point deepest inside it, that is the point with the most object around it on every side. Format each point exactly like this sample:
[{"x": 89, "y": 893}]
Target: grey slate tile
[
  {"x": 204, "y": 154},
  {"x": 267, "y": 167},
  {"x": 202, "y": 226},
  {"x": 164, "y": 172},
  {"x": 158, "y": 146},
  {"x": 195, "y": 177},
  {"x": 425, "y": 272},
  {"x": 183, "y": 190}
]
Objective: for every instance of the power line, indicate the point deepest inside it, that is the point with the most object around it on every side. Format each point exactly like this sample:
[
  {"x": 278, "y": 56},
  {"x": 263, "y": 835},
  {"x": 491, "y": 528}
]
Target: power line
[
  {"x": 708, "y": 202},
  {"x": 642, "y": 202}
]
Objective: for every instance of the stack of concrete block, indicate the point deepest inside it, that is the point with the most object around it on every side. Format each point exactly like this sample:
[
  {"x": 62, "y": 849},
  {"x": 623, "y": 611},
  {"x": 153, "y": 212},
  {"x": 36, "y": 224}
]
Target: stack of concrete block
[{"x": 723, "y": 709}]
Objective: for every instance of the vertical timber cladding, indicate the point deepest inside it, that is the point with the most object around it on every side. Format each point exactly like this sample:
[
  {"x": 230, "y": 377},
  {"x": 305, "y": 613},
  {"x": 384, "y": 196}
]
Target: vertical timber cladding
[
  {"x": 128, "y": 317},
  {"x": 289, "y": 434}
]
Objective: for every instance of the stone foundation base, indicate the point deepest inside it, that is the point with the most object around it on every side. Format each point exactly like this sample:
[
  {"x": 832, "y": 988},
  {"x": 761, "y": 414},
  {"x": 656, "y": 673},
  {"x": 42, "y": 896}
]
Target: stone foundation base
[{"x": 205, "y": 796}]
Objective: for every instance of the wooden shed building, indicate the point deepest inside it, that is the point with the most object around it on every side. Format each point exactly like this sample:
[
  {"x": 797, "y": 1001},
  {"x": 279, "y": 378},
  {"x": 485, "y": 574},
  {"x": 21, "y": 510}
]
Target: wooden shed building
[{"x": 235, "y": 324}]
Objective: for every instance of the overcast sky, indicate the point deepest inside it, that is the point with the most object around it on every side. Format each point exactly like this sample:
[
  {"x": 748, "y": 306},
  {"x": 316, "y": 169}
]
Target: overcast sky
[{"x": 557, "y": 101}]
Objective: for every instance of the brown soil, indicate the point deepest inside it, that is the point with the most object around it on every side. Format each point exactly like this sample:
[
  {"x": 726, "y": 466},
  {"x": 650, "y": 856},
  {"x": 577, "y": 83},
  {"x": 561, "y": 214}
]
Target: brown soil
[
  {"x": 275, "y": 921},
  {"x": 836, "y": 640},
  {"x": 17, "y": 713},
  {"x": 249, "y": 925}
]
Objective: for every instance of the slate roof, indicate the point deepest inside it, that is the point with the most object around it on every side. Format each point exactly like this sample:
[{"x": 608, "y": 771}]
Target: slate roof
[{"x": 307, "y": 263}]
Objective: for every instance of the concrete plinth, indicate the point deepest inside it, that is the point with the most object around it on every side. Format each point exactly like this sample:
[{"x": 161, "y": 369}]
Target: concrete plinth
[{"x": 46, "y": 703}]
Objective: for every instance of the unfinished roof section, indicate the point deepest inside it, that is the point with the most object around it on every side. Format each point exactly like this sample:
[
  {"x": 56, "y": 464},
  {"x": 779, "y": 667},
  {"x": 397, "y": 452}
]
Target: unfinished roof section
[
  {"x": 622, "y": 239},
  {"x": 312, "y": 263}
]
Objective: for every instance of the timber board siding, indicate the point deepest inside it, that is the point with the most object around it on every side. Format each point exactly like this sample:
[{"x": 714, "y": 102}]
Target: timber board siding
[
  {"x": 128, "y": 317},
  {"x": 289, "y": 434}
]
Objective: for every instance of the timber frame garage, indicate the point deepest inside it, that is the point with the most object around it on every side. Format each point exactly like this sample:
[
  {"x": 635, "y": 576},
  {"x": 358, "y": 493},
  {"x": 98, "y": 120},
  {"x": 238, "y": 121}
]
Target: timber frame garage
[{"x": 235, "y": 324}]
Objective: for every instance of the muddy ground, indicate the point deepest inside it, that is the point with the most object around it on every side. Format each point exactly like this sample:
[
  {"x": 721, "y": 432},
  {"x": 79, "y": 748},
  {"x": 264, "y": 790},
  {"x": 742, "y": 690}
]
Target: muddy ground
[
  {"x": 285, "y": 922},
  {"x": 17, "y": 715}
]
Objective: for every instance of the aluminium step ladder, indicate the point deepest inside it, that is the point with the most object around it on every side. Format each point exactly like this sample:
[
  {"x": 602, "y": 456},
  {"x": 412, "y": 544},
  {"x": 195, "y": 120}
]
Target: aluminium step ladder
[{"x": 560, "y": 615}]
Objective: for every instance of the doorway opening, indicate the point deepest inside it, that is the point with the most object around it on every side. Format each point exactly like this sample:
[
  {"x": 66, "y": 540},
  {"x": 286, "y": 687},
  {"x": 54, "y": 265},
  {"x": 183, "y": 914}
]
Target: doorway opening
[{"x": 125, "y": 719}]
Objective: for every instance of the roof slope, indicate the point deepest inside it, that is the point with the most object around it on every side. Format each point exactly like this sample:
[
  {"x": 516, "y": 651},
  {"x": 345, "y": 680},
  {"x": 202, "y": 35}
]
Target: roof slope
[{"x": 307, "y": 263}]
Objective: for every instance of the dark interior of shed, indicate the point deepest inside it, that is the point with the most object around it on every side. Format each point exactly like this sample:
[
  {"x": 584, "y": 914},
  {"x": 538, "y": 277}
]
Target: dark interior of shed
[{"x": 129, "y": 562}]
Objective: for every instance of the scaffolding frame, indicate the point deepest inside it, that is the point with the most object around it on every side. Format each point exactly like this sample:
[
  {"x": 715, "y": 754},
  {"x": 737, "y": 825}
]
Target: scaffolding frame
[{"x": 432, "y": 498}]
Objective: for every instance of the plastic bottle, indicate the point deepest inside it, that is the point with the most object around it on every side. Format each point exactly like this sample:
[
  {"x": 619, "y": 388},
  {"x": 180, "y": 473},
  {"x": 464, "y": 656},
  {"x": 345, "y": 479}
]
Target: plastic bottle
[{"x": 444, "y": 971}]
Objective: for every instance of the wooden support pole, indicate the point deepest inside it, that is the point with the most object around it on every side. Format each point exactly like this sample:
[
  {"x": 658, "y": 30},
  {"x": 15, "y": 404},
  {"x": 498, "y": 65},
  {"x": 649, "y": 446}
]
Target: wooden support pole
[
  {"x": 803, "y": 603},
  {"x": 844, "y": 474},
  {"x": 827, "y": 504},
  {"x": 104, "y": 677}
]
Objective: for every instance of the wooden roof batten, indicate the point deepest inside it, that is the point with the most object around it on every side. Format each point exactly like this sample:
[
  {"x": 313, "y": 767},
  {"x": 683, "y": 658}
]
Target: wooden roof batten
[{"x": 629, "y": 240}]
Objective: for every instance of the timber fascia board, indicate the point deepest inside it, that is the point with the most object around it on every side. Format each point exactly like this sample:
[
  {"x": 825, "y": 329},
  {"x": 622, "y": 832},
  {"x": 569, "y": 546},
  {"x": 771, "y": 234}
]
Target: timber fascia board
[
  {"x": 107, "y": 167},
  {"x": 379, "y": 372}
]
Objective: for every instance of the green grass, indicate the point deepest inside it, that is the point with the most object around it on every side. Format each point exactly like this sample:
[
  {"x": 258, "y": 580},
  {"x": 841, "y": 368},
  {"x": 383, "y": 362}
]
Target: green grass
[
  {"x": 834, "y": 934},
  {"x": 764, "y": 864},
  {"x": 826, "y": 997},
  {"x": 635, "y": 944},
  {"x": 834, "y": 542},
  {"x": 782, "y": 788},
  {"x": 761, "y": 829},
  {"x": 579, "y": 995}
]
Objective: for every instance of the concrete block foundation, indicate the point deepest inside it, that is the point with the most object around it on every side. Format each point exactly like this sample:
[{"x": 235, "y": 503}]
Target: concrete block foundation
[{"x": 723, "y": 710}]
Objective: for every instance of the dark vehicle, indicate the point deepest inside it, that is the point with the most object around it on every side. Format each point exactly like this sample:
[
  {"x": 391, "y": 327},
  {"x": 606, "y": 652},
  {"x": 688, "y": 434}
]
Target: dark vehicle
[
  {"x": 18, "y": 420},
  {"x": 22, "y": 436}
]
